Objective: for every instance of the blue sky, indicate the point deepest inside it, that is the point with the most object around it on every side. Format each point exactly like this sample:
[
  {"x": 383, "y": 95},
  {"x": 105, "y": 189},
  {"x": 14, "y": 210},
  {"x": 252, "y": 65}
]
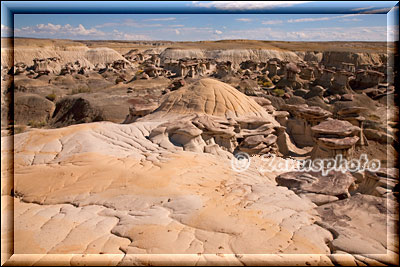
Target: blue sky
[{"x": 351, "y": 21}]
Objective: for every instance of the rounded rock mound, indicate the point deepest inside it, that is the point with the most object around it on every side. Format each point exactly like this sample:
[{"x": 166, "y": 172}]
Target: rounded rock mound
[{"x": 211, "y": 97}]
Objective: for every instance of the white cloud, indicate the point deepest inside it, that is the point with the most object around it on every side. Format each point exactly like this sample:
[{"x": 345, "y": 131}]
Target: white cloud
[
  {"x": 57, "y": 29},
  {"x": 127, "y": 22},
  {"x": 272, "y": 22},
  {"x": 322, "y": 18},
  {"x": 247, "y": 5},
  {"x": 160, "y": 19},
  {"x": 218, "y": 32},
  {"x": 6, "y": 31},
  {"x": 117, "y": 35},
  {"x": 107, "y": 24},
  {"x": 393, "y": 33},
  {"x": 187, "y": 33},
  {"x": 362, "y": 8},
  {"x": 244, "y": 20},
  {"x": 377, "y": 33},
  {"x": 68, "y": 31},
  {"x": 377, "y": 11},
  {"x": 308, "y": 19},
  {"x": 347, "y": 20}
]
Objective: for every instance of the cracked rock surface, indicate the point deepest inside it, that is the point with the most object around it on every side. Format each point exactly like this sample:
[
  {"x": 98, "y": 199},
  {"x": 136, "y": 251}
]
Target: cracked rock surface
[{"x": 113, "y": 191}]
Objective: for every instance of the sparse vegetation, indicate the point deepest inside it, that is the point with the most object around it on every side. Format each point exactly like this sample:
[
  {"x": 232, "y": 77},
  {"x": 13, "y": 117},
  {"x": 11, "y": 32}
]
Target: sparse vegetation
[
  {"x": 278, "y": 92},
  {"x": 80, "y": 90},
  {"x": 51, "y": 97},
  {"x": 373, "y": 117},
  {"x": 18, "y": 129},
  {"x": 267, "y": 84},
  {"x": 37, "y": 124}
]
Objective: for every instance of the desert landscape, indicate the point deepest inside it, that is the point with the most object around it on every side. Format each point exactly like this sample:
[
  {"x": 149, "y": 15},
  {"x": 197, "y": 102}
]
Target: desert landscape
[{"x": 124, "y": 152}]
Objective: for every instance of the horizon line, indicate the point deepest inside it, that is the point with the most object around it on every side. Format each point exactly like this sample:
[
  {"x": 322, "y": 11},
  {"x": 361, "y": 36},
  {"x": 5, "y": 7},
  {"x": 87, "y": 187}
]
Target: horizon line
[{"x": 111, "y": 40}]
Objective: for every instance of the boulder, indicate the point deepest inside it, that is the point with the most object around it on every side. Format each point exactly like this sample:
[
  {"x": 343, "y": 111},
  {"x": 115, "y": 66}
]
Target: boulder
[
  {"x": 32, "y": 109},
  {"x": 74, "y": 110},
  {"x": 379, "y": 136},
  {"x": 315, "y": 91},
  {"x": 139, "y": 110},
  {"x": 347, "y": 97},
  {"x": 335, "y": 183},
  {"x": 335, "y": 127},
  {"x": 333, "y": 137}
]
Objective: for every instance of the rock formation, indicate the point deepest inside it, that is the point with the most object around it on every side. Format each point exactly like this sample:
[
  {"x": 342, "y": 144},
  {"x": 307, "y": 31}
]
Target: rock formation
[
  {"x": 143, "y": 161},
  {"x": 367, "y": 79},
  {"x": 352, "y": 115},
  {"x": 212, "y": 97},
  {"x": 333, "y": 137},
  {"x": 302, "y": 119},
  {"x": 319, "y": 188},
  {"x": 39, "y": 109}
]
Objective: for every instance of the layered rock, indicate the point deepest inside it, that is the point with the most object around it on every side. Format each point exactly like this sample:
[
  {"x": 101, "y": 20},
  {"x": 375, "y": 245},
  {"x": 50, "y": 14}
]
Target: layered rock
[
  {"x": 352, "y": 115},
  {"x": 367, "y": 79},
  {"x": 302, "y": 119},
  {"x": 217, "y": 135},
  {"x": 381, "y": 183},
  {"x": 140, "y": 110},
  {"x": 316, "y": 186},
  {"x": 212, "y": 97},
  {"x": 315, "y": 91},
  {"x": 362, "y": 224},
  {"x": 218, "y": 118},
  {"x": 291, "y": 78},
  {"x": 340, "y": 83},
  {"x": 333, "y": 137},
  {"x": 325, "y": 80}
]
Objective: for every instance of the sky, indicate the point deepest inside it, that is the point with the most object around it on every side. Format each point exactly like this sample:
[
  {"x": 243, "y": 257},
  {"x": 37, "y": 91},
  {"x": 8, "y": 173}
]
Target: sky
[{"x": 174, "y": 21}]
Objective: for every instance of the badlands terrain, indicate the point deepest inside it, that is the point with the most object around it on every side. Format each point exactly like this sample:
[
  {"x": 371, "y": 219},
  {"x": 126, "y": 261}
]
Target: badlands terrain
[{"x": 123, "y": 153}]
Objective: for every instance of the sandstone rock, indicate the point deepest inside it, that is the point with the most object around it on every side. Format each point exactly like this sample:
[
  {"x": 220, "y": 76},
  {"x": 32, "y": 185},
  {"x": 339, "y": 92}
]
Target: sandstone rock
[
  {"x": 300, "y": 92},
  {"x": 360, "y": 223},
  {"x": 367, "y": 79},
  {"x": 248, "y": 87},
  {"x": 380, "y": 183},
  {"x": 209, "y": 96},
  {"x": 319, "y": 199},
  {"x": 351, "y": 110},
  {"x": 325, "y": 80},
  {"x": 339, "y": 143},
  {"x": 335, "y": 183},
  {"x": 378, "y": 136},
  {"x": 281, "y": 117},
  {"x": 312, "y": 114},
  {"x": 140, "y": 110},
  {"x": 333, "y": 137},
  {"x": 162, "y": 187},
  {"x": 347, "y": 97},
  {"x": 335, "y": 127},
  {"x": 31, "y": 108},
  {"x": 340, "y": 83},
  {"x": 315, "y": 91},
  {"x": 303, "y": 118},
  {"x": 74, "y": 110}
]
